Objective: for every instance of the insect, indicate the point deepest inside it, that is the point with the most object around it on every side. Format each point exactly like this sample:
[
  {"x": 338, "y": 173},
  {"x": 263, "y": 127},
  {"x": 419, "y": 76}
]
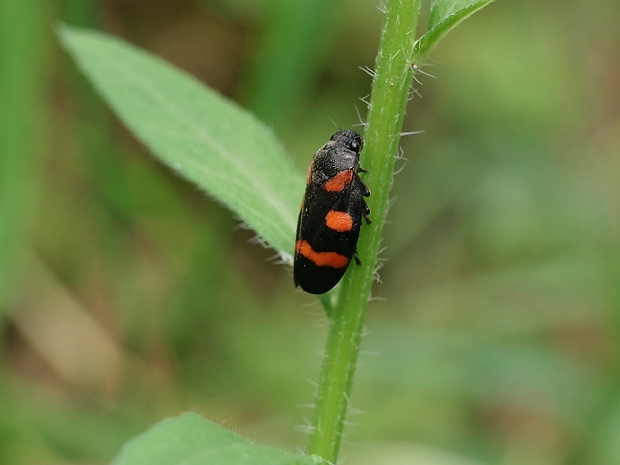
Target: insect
[{"x": 331, "y": 214}]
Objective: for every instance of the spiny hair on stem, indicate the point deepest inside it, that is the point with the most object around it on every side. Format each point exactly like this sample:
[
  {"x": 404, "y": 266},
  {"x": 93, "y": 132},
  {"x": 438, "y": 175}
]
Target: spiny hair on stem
[
  {"x": 361, "y": 123},
  {"x": 413, "y": 92},
  {"x": 368, "y": 70},
  {"x": 417, "y": 68},
  {"x": 366, "y": 100}
]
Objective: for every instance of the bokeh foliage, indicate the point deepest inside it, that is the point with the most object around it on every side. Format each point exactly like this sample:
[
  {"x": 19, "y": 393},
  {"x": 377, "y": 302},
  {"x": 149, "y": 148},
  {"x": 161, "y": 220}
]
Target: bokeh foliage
[{"x": 133, "y": 297}]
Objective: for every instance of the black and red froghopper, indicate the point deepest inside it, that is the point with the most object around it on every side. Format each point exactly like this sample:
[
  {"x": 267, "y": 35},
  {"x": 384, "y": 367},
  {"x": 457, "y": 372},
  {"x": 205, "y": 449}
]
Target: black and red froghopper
[{"x": 331, "y": 214}]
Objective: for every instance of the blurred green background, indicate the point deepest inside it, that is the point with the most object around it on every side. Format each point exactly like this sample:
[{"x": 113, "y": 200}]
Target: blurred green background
[{"x": 126, "y": 296}]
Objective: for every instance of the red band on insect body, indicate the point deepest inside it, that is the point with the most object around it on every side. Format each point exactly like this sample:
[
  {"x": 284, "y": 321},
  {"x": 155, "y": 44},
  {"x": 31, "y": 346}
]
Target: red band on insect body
[
  {"x": 339, "y": 182},
  {"x": 330, "y": 259}
]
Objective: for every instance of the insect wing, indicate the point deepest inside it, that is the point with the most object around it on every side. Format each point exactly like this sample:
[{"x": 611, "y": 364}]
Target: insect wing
[{"x": 328, "y": 230}]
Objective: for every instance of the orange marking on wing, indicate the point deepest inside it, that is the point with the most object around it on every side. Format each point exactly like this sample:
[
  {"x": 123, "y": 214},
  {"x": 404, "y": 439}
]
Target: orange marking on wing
[
  {"x": 339, "y": 182},
  {"x": 339, "y": 221},
  {"x": 331, "y": 259}
]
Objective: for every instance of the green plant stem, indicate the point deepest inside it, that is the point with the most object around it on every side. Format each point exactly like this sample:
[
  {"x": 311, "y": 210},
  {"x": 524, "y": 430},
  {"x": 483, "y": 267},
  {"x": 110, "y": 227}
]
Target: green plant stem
[{"x": 390, "y": 93}]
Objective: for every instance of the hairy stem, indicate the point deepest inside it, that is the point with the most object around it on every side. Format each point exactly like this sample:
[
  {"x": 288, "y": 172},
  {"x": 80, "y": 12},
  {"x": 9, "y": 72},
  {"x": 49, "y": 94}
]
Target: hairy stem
[{"x": 390, "y": 93}]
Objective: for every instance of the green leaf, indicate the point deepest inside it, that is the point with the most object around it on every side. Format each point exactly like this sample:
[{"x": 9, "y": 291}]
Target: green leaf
[
  {"x": 445, "y": 16},
  {"x": 201, "y": 135},
  {"x": 189, "y": 439}
]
